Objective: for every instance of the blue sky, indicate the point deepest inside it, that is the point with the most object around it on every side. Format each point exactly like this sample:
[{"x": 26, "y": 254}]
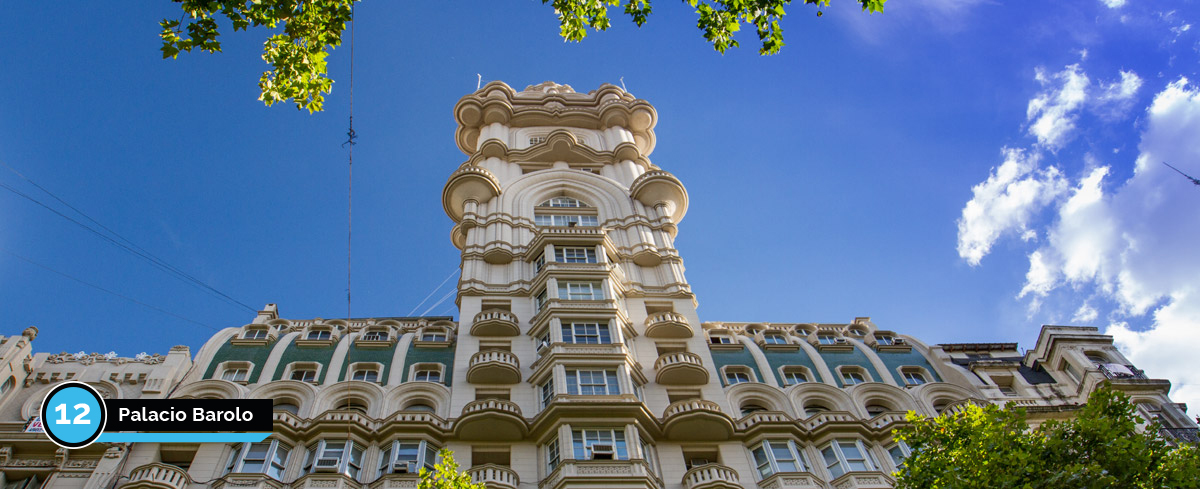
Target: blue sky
[{"x": 958, "y": 170}]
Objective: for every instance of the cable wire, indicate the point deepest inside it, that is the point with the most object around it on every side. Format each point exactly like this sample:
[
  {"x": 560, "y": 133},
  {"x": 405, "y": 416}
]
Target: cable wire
[
  {"x": 134, "y": 250},
  {"x": 102, "y": 289}
]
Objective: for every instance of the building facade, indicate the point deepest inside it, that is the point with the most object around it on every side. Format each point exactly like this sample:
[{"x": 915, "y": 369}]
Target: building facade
[{"x": 578, "y": 360}]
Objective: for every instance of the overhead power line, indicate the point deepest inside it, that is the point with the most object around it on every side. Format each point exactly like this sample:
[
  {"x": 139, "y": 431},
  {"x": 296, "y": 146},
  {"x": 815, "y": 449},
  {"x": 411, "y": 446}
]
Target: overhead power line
[
  {"x": 114, "y": 238},
  {"x": 102, "y": 289}
]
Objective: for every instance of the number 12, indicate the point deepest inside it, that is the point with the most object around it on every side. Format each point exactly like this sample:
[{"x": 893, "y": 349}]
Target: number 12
[{"x": 79, "y": 419}]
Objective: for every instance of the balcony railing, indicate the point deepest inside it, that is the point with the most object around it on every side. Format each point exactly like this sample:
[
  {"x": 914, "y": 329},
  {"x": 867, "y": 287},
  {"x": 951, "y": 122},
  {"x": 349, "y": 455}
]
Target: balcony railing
[
  {"x": 1181, "y": 435},
  {"x": 494, "y": 476},
  {"x": 1118, "y": 371},
  {"x": 668, "y": 325},
  {"x": 710, "y": 476},
  {"x": 495, "y": 322},
  {"x": 494, "y": 367},
  {"x": 680, "y": 368},
  {"x": 158, "y": 475}
]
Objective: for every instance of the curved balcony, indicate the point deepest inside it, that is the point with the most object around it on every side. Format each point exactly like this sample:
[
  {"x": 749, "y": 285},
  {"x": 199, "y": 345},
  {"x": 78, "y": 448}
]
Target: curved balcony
[
  {"x": 668, "y": 325},
  {"x": 494, "y": 367},
  {"x": 696, "y": 420},
  {"x": 158, "y": 476},
  {"x": 494, "y": 476},
  {"x": 468, "y": 183},
  {"x": 491, "y": 420},
  {"x": 495, "y": 322},
  {"x": 657, "y": 186},
  {"x": 711, "y": 476},
  {"x": 680, "y": 368},
  {"x": 497, "y": 253}
]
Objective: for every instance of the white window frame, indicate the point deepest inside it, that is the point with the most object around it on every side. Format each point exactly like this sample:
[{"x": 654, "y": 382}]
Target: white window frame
[
  {"x": 546, "y": 392},
  {"x": 540, "y": 300},
  {"x": 737, "y": 371},
  {"x": 774, "y": 339},
  {"x": 254, "y": 333},
  {"x": 566, "y": 220},
  {"x": 246, "y": 368},
  {"x": 581, "y": 290},
  {"x": 910, "y": 375},
  {"x": 389, "y": 455},
  {"x": 885, "y": 340},
  {"x": 553, "y": 455},
  {"x": 790, "y": 371},
  {"x": 841, "y": 464},
  {"x": 612, "y": 439},
  {"x": 575, "y": 254},
  {"x": 904, "y": 453},
  {"x": 539, "y": 262},
  {"x": 767, "y": 464},
  {"x": 304, "y": 366},
  {"x": 271, "y": 466},
  {"x": 602, "y": 330},
  {"x": 435, "y": 336},
  {"x": 327, "y": 333},
  {"x": 564, "y": 202},
  {"x": 720, "y": 339},
  {"x": 607, "y": 388},
  {"x": 846, "y": 371},
  {"x": 419, "y": 370},
  {"x": 826, "y": 339},
  {"x": 319, "y": 449},
  {"x": 366, "y": 367},
  {"x": 379, "y": 335}
]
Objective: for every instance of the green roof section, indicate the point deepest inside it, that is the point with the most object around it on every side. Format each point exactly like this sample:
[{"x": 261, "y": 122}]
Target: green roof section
[
  {"x": 382, "y": 356},
  {"x": 856, "y": 357},
  {"x": 798, "y": 358},
  {"x": 442, "y": 355},
  {"x": 229, "y": 352},
  {"x": 320, "y": 354},
  {"x": 912, "y": 358},
  {"x": 742, "y": 357}
]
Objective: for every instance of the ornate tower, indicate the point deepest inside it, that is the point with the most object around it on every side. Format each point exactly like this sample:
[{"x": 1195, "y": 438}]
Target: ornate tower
[{"x": 578, "y": 328}]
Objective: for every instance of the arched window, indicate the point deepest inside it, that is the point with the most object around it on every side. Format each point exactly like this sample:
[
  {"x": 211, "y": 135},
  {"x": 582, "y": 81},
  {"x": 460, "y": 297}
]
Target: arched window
[
  {"x": 420, "y": 406},
  {"x": 751, "y": 407},
  {"x": 876, "y": 408},
  {"x": 356, "y": 405},
  {"x": 8, "y": 385},
  {"x": 814, "y": 408},
  {"x": 288, "y": 405},
  {"x": 564, "y": 202},
  {"x": 565, "y": 211}
]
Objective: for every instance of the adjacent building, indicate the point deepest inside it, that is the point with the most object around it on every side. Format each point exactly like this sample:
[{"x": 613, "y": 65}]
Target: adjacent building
[{"x": 578, "y": 359}]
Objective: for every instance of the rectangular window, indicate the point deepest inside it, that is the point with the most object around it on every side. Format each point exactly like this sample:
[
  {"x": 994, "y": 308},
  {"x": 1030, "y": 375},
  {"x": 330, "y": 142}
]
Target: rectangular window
[
  {"x": 267, "y": 457},
  {"x": 552, "y": 456},
  {"x": 255, "y": 334},
  {"x": 774, "y": 339},
  {"x": 375, "y": 336},
  {"x": 720, "y": 340},
  {"x": 773, "y": 456},
  {"x": 333, "y": 456},
  {"x": 547, "y": 393},
  {"x": 565, "y": 221},
  {"x": 736, "y": 377},
  {"x": 236, "y": 374},
  {"x": 407, "y": 457},
  {"x": 884, "y": 340},
  {"x": 574, "y": 255},
  {"x": 899, "y": 452},
  {"x": 435, "y": 337},
  {"x": 539, "y": 263},
  {"x": 794, "y": 376},
  {"x": 826, "y": 339},
  {"x": 304, "y": 375},
  {"x": 599, "y": 445},
  {"x": 427, "y": 376},
  {"x": 586, "y": 333},
  {"x": 580, "y": 291},
  {"x": 319, "y": 335},
  {"x": 592, "y": 382},
  {"x": 539, "y": 301},
  {"x": 843, "y": 456},
  {"x": 366, "y": 375},
  {"x": 913, "y": 377}
]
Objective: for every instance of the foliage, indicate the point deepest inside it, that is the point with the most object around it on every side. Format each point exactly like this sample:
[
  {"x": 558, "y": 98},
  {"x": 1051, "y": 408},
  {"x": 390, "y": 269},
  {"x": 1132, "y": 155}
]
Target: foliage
[
  {"x": 445, "y": 475},
  {"x": 297, "y": 55},
  {"x": 312, "y": 28},
  {"x": 993, "y": 448},
  {"x": 719, "y": 19}
]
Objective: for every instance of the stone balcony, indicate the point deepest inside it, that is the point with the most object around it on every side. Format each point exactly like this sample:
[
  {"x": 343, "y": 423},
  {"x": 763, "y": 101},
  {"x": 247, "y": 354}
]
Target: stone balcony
[
  {"x": 330, "y": 481},
  {"x": 792, "y": 480},
  {"x": 247, "y": 481},
  {"x": 157, "y": 476},
  {"x": 495, "y": 322},
  {"x": 494, "y": 367},
  {"x": 862, "y": 480},
  {"x": 494, "y": 476},
  {"x": 491, "y": 420},
  {"x": 696, "y": 420},
  {"x": 680, "y": 368},
  {"x": 608, "y": 474},
  {"x": 668, "y": 325},
  {"x": 711, "y": 476}
]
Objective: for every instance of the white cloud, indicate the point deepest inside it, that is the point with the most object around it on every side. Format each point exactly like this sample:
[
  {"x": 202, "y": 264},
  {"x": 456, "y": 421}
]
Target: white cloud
[
  {"x": 1005, "y": 203},
  {"x": 1052, "y": 113},
  {"x": 1116, "y": 98},
  {"x": 1114, "y": 3},
  {"x": 1135, "y": 244},
  {"x": 1085, "y": 314}
]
